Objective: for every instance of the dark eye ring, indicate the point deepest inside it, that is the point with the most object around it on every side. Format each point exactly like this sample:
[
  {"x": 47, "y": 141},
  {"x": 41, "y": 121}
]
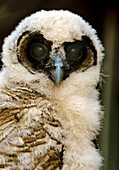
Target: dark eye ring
[{"x": 38, "y": 51}]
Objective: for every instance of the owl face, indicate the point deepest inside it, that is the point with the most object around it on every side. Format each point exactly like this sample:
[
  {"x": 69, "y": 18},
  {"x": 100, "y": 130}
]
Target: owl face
[
  {"x": 48, "y": 47},
  {"x": 38, "y": 54}
]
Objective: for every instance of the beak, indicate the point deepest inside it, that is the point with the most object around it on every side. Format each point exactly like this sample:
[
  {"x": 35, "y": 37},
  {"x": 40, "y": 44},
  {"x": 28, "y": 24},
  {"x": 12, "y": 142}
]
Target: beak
[{"x": 57, "y": 71}]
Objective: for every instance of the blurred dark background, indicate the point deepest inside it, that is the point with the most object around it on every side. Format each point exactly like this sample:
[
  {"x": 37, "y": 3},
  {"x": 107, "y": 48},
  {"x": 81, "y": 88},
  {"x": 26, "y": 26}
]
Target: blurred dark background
[{"x": 104, "y": 17}]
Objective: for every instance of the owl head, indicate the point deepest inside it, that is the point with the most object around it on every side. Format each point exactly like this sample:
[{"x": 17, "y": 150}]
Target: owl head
[{"x": 52, "y": 50}]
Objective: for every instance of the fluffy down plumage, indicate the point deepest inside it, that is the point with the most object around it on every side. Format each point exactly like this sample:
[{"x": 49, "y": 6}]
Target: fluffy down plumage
[{"x": 47, "y": 124}]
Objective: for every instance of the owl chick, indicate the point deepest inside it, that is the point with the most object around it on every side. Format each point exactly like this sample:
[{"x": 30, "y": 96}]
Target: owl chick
[{"x": 50, "y": 111}]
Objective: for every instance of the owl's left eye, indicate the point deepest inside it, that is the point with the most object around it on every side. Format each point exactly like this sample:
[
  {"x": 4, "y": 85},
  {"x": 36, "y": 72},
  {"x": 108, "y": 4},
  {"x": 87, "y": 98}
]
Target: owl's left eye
[
  {"x": 75, "y": 50},
  {"x": 38, "y": 51}
]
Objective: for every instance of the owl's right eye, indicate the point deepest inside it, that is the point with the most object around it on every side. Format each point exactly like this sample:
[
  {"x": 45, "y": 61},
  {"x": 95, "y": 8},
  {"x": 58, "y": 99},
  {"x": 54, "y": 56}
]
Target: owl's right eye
[
  {"x": 33, "y": 49},
  {"x": 38, "y": 51}
]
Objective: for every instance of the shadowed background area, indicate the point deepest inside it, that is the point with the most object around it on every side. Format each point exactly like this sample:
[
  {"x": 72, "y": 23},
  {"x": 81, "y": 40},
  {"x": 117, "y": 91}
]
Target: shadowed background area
[{"x": 104, "y": 17}]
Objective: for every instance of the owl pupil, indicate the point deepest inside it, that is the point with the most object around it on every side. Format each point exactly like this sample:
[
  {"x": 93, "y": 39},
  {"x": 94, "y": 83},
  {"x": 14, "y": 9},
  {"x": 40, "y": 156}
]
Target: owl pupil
[
  {"x": 73, "y": 50},
  {"x": 38, "y": 51}
]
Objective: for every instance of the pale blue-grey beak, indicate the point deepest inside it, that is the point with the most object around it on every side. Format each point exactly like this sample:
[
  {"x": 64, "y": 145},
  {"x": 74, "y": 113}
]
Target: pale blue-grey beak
[{"x": 57, "y": 72}]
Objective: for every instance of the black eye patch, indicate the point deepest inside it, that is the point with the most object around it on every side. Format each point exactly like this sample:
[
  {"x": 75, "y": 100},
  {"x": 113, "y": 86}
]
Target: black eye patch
[
  {"x": 33, "y": 50},
  {"x": 80, "y": 54}
]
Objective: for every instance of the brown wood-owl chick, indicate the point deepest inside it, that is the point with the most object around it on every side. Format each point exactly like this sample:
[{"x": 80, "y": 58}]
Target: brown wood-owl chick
[{"x": 49, "y": 107}]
